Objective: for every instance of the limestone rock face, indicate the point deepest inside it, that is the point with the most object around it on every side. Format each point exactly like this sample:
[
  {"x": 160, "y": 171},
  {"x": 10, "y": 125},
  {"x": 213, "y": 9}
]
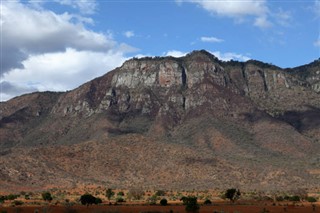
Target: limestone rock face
[{"x": 203, "y": 118}]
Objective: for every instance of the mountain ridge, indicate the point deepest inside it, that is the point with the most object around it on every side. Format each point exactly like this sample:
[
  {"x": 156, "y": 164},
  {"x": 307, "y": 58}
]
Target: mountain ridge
[{"x": 204, "y": 119}]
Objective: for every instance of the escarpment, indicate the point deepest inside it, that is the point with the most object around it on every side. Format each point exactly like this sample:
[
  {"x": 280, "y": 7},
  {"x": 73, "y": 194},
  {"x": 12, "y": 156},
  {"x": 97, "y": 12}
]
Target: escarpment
[{"x": 202, "y": 118}]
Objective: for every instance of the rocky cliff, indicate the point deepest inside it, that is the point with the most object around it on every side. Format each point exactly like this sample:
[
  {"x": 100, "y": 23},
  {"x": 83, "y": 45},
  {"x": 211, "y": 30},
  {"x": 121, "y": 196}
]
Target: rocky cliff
[{"x": 192, "y": 122}]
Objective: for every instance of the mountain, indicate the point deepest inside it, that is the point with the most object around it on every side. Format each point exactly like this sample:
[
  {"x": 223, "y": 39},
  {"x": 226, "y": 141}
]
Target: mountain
[{"x": 193, "y": 122}]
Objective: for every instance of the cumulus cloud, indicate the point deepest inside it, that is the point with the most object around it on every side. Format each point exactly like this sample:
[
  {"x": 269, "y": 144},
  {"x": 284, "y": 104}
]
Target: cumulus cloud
[
  {"x": 228, "y": 56},
  {"x": 60, "y": 71},
  {"x": 44, "y": 31},
  {"x": 175, "y": 53},
  {"x": 128, "y": 34},
  {"x": 49, "y": 51},
  {"x": 237, "y": 10},
  {"x": 234, "y": 8},
  {"x": 211, "y": 39}
]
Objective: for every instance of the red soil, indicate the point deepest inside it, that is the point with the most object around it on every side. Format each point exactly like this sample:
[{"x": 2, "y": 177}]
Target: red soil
[{"x": 180, "y": 209}]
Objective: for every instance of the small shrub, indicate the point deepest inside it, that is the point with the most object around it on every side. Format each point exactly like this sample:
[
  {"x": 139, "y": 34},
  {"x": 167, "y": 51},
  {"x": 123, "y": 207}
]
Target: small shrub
[
  {"x": 109, "y": 193},
  {"x": 46, "y": 196},
  {"x": 152, "y": 200},
  {"x": 11, "y": 197},
  {"x": 207, "y": 202},
  {"x": 98, "y": 201},
  {"x": 160, "y": 193},
  {"x": 120, "y": 193},
  {"x": 311, "y": 199},
  {"x": 120, "y": 200},
  {"x": 294, "y": 198},
  {"x": 163, "y": 202},
  {"x": 279, "y": 198},
  {"x": 17, "y": 202}
]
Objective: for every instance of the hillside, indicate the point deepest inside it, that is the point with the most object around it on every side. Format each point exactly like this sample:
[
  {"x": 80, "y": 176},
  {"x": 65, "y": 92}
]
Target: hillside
[{"x": 174, "y": 123}]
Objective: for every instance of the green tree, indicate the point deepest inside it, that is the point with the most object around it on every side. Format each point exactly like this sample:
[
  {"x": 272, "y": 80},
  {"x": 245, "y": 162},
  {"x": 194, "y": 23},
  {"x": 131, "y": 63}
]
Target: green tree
[
  {"x": 232, "y": 194},
  {"x": 87, "y": 199},
  {"x": 109, "y": 194},
  {"x": 163, "y": 202},
  {"x": 191, "y": 203},
  {"x": 47, "y": 196}
]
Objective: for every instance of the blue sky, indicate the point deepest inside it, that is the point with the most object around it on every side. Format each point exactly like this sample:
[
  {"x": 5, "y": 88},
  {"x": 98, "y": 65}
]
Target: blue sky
[{"x": 59, "y": 44}]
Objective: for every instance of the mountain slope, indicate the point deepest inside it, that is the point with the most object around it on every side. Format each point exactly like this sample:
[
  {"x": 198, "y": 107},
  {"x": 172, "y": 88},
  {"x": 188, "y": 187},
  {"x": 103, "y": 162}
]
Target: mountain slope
[{"x": 189, "y": 123}]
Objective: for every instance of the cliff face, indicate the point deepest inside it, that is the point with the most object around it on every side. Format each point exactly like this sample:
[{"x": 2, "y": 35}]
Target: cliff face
[{"x": 201, "y": 118}]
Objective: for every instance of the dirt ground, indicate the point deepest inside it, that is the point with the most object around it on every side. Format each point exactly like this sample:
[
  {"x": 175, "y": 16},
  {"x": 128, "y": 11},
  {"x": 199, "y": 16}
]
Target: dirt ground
[{"x": 164, "y": 209}]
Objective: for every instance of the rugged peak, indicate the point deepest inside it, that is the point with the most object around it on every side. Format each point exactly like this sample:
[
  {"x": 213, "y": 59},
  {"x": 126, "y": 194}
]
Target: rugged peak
[{"x": 202, "y": 55}]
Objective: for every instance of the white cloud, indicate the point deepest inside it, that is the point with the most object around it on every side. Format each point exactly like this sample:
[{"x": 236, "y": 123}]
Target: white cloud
[
  {"x": 211, "y": 39},
  {"x": 262, "y": 22},
  {"x": 84, "y": 6},
  {"x": 60, "y": 71},
  {"x": 283, "y": 17},
  {"x": 230, "y": 56},
  {"x": 43, "y": 31},
  {"x": 175, "y": 53},
  {"x": 222, "y": 56},
  {"x": 317, "y": 43},
  {"x": 128, "y": 34},
  {"x": 49, "y": 51},
  {"x": 238, "y": 10},
  {"x": 233, "y": 8}
]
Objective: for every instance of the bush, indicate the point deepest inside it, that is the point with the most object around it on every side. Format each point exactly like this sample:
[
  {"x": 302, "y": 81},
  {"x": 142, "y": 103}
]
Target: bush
[
  {"x": 87, "y": 199},
  {"x": 153, "y": 199},
  {"x": 232, "y": 194},
  {"x": 109, "y": 193},
  {"x": 120, "y": 200},
  {"x": 11, "y": 197},
  {"x": 191, "y": 204},
  {"x": 163, "y": 202},
  {"x": 47, "y": 196},
  {"x": 17, "y": 202},
  {"x": 207, "y": 202},
  {"x": 311, "y": 199},
  {"x": 98, "y": 201},
  {"x": 294, "y": 198},
  {"x": 160, "y": 193},
  {"x": 120, "y": 194},
  {"x": 279, "y": 198}
]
